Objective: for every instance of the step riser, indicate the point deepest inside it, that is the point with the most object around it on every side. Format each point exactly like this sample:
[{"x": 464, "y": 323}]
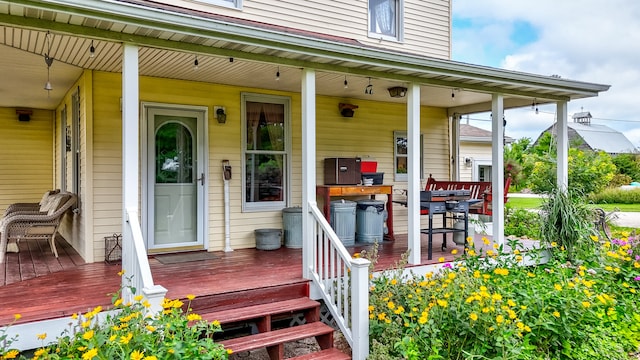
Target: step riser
[{"x": 218, "y": 302}]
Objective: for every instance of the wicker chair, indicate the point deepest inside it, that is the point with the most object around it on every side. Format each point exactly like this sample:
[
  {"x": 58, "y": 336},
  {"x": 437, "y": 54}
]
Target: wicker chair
[
  {"x": 30, "y": 206},
  {"x": 25, "y": 225}
]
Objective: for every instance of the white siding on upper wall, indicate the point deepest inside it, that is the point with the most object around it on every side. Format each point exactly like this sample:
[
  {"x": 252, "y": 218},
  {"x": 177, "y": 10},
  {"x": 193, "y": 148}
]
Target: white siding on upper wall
[
  {"x": 426, "y": 29},
  {"x": 475, "y": 152}
]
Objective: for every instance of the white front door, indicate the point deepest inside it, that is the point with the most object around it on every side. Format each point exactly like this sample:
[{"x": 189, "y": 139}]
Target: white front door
[{"x": 175, "y": 178}]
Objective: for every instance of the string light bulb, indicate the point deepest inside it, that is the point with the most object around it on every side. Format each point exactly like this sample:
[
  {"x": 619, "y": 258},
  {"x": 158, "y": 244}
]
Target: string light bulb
[
  {"x": 346, "y": 84},
  {"x": 278, "y": 74},
  {"x": 196, "y": 63},
  {"x": 92, "y": 50}
]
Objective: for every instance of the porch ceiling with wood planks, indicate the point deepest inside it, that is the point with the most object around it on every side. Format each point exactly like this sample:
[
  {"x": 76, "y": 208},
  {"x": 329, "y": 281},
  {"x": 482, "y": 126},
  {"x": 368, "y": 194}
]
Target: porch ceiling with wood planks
[{"x": 171, "y": 38}]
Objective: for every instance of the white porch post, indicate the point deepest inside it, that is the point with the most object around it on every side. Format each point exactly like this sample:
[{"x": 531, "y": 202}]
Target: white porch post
[
  {"x": 130, "y": 155},
  {"x": 413, "y": 167},
  {"x": 497, "y": 167},
  {"x": 308, "y": 93},
  {"x": 562, "y": 133},
  {"x": 360, "y": 308},
  {"x": 455, "y": 147}
]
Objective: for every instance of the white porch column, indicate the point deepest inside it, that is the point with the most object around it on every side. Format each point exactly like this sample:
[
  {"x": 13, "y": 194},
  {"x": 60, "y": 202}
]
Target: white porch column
[
  {"x": 130, "y": 153},
  {"x": 562, "y": 133},
  {"x": 497, "y": 167},
  {"x": 413, "y": 173},
  {"x": 308, "y": 93}
]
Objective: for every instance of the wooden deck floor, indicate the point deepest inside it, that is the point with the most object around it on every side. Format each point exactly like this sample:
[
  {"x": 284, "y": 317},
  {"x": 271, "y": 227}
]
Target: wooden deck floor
[{"x": 81, "y": 287}]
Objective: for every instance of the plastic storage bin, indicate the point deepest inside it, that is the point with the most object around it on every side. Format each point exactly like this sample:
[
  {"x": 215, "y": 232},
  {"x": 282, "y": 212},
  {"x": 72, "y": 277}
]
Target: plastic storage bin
[
  {"x": 292, "y": 227},
  {"x": 343, "y": 220},
  {"x": 370, "y": 221}
]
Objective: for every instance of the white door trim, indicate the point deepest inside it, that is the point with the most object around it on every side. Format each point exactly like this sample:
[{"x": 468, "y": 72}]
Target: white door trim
[{"x": 203, "y": 166}]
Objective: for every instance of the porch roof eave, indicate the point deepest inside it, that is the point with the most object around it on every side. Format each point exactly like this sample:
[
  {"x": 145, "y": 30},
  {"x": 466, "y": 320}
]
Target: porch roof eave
[{"x": 292, "y": 49}]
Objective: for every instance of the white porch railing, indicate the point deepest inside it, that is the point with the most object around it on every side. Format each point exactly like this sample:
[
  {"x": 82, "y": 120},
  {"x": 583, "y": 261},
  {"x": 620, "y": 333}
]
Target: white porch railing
[
  {"x": 343, "y": 282},
  {"x": 137, "y": 273}
]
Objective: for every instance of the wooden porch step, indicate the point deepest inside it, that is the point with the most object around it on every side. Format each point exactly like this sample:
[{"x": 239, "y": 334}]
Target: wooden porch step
[
  {"x": 274, "y": 340},
  {"x": 263, "y": 313},
  {"x": 255, "y": 296},
  {"x": 326, "y": 354}
]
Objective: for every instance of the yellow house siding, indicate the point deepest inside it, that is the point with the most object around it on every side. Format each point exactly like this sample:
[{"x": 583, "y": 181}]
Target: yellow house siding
[
  {"x": 368, "y": 133},
  {"x": 426, "y": 22},
  {"x": 27, "y": 169}
]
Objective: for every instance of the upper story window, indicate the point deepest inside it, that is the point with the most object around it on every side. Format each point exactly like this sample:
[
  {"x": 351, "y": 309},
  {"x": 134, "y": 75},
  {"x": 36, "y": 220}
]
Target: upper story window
[
  {"x": 401, "y": 155},
  {"x": 385, "y": 19},
  {"x": 266, "y": 148},
  {"x": 227, "y": 3}
]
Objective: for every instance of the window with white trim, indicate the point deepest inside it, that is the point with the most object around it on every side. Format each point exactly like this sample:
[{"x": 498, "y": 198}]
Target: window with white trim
[
  {"x": 401, "y": 155},
  {"x": 266, "y": 144},
  {"x": 385, "y": 19},
  {"x": 237, "y": 4}
]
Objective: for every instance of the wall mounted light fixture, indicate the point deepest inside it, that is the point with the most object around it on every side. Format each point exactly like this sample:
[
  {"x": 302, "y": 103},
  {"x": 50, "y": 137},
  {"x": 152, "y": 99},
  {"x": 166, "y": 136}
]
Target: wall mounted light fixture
[
  {"x": 347, "y": 110},
  {"x": 397, "y": 91},
  {"x": 221, "y": 115},
  {"x": 24, "y": 114},
  {"x": 467, "y": 162}
]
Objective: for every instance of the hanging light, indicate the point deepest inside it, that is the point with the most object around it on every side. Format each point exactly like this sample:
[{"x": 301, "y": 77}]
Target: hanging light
[
  {"x": 534, "y": 105},
  {"x": 346, "y": 84},
  {"x": 278, "y": 74},
  {"x": 369, "y": 89},
  {"x": 195, "y": 63},
  {"x": 92, "y": 50},
  {"x": 48, "y": 59}
]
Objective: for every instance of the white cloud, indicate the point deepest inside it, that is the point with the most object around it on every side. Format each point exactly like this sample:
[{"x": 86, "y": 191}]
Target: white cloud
[{"x": 591, "y": 40}]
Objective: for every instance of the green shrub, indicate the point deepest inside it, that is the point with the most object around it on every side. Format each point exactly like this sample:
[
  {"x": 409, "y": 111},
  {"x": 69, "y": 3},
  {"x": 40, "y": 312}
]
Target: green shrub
[
  {"x": 616, "y": 196},
  {"x": 131, "y": 333},
  {"x": 522, "y": 222},
  {"x": 495, "y": 308},
  {"x": 619, "y": 180}
]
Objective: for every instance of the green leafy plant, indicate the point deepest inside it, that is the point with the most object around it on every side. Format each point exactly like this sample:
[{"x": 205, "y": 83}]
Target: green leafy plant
[
  {"x": 566, "y": 220},
  {"x": 131, "y": 332},
  {"x": 522, "y": 222}
]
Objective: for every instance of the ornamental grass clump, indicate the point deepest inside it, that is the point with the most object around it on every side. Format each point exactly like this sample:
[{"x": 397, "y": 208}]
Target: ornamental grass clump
[
  {"x": 488, "y": 305},
  {"x": 131, "y": 332}
]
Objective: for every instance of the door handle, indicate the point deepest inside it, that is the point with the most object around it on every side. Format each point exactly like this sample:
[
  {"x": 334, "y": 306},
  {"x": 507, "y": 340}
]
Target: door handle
[{"x": 201, "y": 179}]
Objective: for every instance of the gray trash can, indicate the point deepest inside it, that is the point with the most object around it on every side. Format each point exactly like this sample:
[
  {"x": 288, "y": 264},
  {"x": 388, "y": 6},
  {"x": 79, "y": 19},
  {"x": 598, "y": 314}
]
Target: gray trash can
[
  {"x": 343, "y": 220},
  {"x": 370, "y": 221},
  {"x": 292, "y": 226},
  {"x": 268, "y": 239}
]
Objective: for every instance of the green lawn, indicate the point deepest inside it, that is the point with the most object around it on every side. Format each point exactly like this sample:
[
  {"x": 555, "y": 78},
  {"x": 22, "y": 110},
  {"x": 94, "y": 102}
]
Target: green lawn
[{"x": 533, "y": 203}]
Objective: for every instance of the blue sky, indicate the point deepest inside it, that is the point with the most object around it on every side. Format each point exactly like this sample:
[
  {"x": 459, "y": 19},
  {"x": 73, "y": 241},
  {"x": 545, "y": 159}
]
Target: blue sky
[{"x": 595, "y": 41}]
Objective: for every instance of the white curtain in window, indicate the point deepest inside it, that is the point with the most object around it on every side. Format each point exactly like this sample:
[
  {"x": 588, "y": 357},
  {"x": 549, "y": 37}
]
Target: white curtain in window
[{"x": 383, "y": 16}]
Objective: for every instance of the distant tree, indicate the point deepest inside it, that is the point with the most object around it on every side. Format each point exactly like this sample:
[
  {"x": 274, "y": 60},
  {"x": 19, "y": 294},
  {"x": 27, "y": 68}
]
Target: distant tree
[
  {"x": 514, "y": 154},
  {"x": 628, "y": 164}
]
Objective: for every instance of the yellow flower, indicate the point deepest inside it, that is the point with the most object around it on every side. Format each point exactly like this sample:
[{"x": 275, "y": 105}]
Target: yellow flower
[
  {"x": 586, "y": 304},
  {"x": 473, "y": 316},
  {"x": 42, "y": 336},
  {"x": 229, "y": 351},
  {"x": 485, "y": 240},
  {"x": 594, "y": 238},
  {"x": 441, "y": 259},
  {"x": 113, "y": 337},
  {"x": 194, "y": 317},
  {"x": 74, "y": 316},
  {"x": 126, "y": 339},
  {"x": 121, "y": 272},
  {"x": 90, "y": 354},
  {"x": 88, "y": 335},
  {"x": 11, "y": 354},
  {"x": 17, "y": 316},
  {"x": 442, "y": 303},
  {"x": 146, "y": 304},
  {"x": 191, "y": 297},
  {"x": 394, "y": 281},
  {"x": 150, "y": 328},
  {"x": 558, "y": 287},
  {"x": 454, "y": 251},
  {"x": 516, "y": 252},
  {"x": 499, "y": 319},
  {"x": 137, "y": 355},
  {"x": 138, "y": 297},
  {"x": 554, "y": 244},
  {"x": 117, "y": 302},
  {"x": 471, "y": 252},
  {"x": 150, "y": 357}
]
